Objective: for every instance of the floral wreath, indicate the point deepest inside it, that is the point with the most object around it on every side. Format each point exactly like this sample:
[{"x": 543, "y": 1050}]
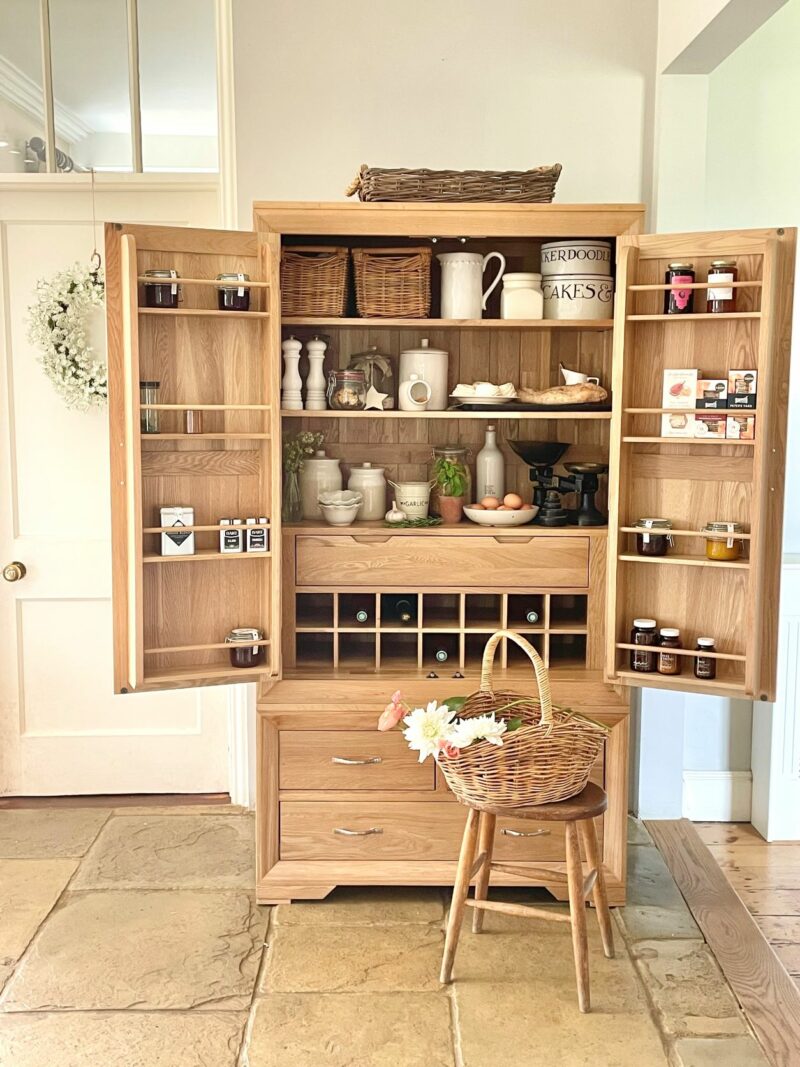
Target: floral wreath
[{"x": 57, "y": 324}]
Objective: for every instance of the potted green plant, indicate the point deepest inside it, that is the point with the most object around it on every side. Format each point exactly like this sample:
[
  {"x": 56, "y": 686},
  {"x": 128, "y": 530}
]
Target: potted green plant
[{"x": 451, "y": 483}]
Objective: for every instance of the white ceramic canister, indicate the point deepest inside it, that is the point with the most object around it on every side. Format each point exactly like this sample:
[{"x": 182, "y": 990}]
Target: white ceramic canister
[
  {"x": 578, "y": 296},
  {"x": 429, "y": 364},
  {"x": 413, "y": 498},
  {"x": 522, "y": 297},
  {"x": 576, "y": 257},
  {"x": 371, "y": 483},
  {"x": 320, "y": 474}
]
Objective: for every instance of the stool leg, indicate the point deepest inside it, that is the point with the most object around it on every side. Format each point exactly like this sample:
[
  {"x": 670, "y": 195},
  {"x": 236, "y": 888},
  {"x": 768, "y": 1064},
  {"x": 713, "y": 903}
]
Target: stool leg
[
  {"x": 599, "y": 895},
  {"x": 577, "y": 913},
  {"x": 485, "y": 845},
  {"x": 460, "y": 890}
]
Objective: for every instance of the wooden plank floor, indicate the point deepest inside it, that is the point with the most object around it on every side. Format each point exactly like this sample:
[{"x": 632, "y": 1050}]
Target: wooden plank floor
[
  {"x": 767, "y": 992},
  {"x": 766, "y": 875}
]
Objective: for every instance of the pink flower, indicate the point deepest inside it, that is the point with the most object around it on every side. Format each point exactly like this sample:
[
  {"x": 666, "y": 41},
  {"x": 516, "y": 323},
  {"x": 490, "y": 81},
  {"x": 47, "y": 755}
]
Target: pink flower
[
  {"x": 392, "y": 713},
  {"x": 448, "y": 749}
]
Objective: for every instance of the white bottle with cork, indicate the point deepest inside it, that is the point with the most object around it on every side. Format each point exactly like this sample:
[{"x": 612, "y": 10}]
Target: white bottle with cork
[{"x": 490, "y": 468}]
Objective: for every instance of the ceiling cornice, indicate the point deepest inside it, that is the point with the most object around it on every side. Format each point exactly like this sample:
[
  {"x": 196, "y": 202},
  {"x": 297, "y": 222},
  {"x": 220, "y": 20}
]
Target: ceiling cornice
[{"x": 25, "y": 94}]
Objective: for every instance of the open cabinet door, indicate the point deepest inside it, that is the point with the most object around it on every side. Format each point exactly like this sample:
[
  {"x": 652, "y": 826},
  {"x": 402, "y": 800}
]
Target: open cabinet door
[
  {"x": 172, "y": 613},
  {"x": 694, "y": 480}
]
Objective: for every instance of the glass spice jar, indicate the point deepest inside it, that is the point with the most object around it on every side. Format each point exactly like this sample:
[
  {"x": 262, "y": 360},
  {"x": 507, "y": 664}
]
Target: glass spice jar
[
  {"x": 677, "y": 300},
  {"x": 643, "y": 660},
  {"x": 704, "y": 666},
  {"x": 193, "y": 420},
  {"x": 347, "y": 390},
  {"x": 243, "y": 652},
  {"x": 654, "y": 539},
  {"x": 163, "y": 293},
  {"x": 721, "y": 297},
  {"x": 668, "y": 662},
  {"x": 148, "y": 418},
  {"x": 722, "y": 544},
  {"x": 233, "y": 297}
]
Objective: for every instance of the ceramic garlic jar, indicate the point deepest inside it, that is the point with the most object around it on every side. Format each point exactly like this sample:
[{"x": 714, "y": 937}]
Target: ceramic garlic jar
[
  {"x": 320, "y": 474},
  {"x": 370, "y": 482},
  {"x": 429, "y": 365}
]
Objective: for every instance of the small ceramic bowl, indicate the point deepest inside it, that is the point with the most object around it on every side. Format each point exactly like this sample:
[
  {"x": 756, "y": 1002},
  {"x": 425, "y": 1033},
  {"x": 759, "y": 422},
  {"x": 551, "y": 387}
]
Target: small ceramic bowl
[
  {"x": 340, "y": 508},
  {"x": 486, "y": 517}
]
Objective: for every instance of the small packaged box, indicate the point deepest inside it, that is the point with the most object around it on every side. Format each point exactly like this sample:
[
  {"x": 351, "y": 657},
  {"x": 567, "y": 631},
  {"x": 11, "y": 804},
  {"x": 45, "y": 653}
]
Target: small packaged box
[
  {"x": 680, "y": 388},
  {"x": 678, "y": 424},
  {"x": 742, "y": 388},
  {"x": 741, "y": 428},
  {"x": 181, "y": 542},
  {"x": 710, "y": 425},
  {"x": 711, "y": 393}
]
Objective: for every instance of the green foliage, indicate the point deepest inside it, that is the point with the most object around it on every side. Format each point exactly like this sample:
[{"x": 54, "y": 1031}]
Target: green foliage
[
  {"x": 296, "y": 448},
  {"x": 415, "y": 524},
  {"x": 450, "y": 477}
]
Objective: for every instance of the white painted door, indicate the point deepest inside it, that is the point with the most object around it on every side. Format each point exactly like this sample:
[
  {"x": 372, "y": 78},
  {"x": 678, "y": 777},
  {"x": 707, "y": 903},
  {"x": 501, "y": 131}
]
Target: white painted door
[{"x": 62, "y": 731}]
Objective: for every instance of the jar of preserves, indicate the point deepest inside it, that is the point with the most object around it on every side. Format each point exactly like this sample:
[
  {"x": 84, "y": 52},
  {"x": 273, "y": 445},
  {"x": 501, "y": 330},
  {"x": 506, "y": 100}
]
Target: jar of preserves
[
  {"x": 162, "y": 291},
  {"x": 654, "y": 538},
  {"x": 721, "y": 541},
  {"x": 643, "y": 633},
  {"x": 668, "y": 662},
  {"x": 721, "y": 295},
  {"x": 678, "y": 300},
  {"x": 347, "y": 390},
  {"x": 704, "y": 666},
  {"x": 233, "y": 297},
  {"x": 243, "y": 652}
]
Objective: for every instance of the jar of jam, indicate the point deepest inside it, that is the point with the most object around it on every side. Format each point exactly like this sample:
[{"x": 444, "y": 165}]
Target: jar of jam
[
  {"x": 164, "y": 293},
  {"x": 677, "y": 300},
  {"x": 721, "y": 297},
  {"x": 654, "y": 538},
  {"x": 233, "y": 297},
  {"x": 704, "y": 666},
  {"x": 668, "y": 662},
  {"x": 721, "y": 541},
  {"x": 243, "y": 652},
  {"x": 644, "y": 634},
  {"x": 347, "y": 390}
]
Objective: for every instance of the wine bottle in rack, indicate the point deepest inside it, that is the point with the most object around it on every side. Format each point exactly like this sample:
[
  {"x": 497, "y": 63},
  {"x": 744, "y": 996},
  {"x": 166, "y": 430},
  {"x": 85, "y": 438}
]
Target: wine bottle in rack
[
  {"x": 400, "y": 610},
  {"x": 532, "y": 617},
  {"x": 361, "y": 615},
  {"x": 440, "y": 655}
]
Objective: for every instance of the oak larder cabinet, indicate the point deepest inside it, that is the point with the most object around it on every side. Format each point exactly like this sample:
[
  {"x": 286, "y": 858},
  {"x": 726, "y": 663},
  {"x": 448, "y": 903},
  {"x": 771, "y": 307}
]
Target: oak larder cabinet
[{"x": 339, "y": 803}]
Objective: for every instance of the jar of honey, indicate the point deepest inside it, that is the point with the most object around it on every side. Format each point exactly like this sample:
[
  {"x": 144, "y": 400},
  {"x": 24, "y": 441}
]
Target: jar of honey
[
  {"x": 722, "y": 544},
  {"x": 721, "y": 295}
]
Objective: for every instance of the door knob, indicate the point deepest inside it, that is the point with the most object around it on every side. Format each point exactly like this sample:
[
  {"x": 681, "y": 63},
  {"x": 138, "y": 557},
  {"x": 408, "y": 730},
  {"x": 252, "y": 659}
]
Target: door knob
[{"x": 14, "y": 572}]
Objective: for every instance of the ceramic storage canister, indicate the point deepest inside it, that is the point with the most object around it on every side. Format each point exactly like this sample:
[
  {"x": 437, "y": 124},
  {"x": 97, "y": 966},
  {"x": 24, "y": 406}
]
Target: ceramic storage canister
[
  {"x": 320, "y": 474},
  {"x": 576, "y": 280},
  {"x": 429, "y": 364},
  {"x": 370, "y": 482}
]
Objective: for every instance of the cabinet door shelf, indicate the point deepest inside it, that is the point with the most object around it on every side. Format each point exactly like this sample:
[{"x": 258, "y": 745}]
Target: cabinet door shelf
[
  {"x": 691, "y": 411},
  {"x": 203, "y": 555},
  {"x": 653, "y": 680},
  {"x": 696, "y": 316},
  {"x": 687, "y": 441},
  {"x": 685, "y": 561},
  {"x": 196, "y": 529},
  {"x": 200, "y": 648},
  {"x": 206, "y": 436},
  {"x": 182, "y": 676},
  {"x": 205, "y": 312},
  {"x": 692, "y": 653},
  {"x": 204, "y": 407},
  {"x": 683, "y": 533},
  {"x": 663, "y": 286},
  {"x": 214, "y": 282}
]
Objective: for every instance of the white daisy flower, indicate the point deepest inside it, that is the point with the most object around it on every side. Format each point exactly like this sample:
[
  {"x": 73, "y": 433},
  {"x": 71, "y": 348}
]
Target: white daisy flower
[{"x": 426, "y": 727}]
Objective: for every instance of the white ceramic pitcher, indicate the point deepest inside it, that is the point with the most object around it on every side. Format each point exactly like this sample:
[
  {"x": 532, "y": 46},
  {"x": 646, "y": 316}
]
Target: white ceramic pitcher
[{"x": 462, "y": 283}]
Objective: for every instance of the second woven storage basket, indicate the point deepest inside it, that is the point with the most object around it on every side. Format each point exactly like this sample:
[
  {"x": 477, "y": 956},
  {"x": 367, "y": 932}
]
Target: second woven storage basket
[
  {"x": 314, "y": 280},
  {"x": 548, "y": 758},
  {"x": 393, "y": 283}
]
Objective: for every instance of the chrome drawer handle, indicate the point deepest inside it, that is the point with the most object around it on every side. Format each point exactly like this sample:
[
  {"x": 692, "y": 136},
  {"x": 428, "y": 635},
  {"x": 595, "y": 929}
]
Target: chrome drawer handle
[
  {"x": 356, "y": 762},
  {"x": 523, "y": 833},
  {"x": 357, "y": 833}
]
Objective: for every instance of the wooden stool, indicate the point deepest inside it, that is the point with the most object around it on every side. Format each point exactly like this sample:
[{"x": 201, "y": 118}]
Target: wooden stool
[{"x": 577, "y": 813}]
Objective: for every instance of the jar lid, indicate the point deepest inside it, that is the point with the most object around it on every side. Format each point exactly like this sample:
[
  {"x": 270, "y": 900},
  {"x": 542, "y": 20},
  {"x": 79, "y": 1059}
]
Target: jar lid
[
  {"x": 669, "y": 631},
  {"x": 644, "y": 624},
  {"x": 149, "y": 385},
  {"x": 723, "y": 527},
  {"x": 723, "y": 262},
  {"x": 681, "y": 266},
  {"x": 706, "y": 642},
  {"x": 522, "y": 276},
  {"x": 424, "y": 348},
  {"x": 653, "y": 524},
  {"x": 245, "y": 634},
  {"x": 366, "y": 468},
  {"x": 450, "y": 450},
  {"x": 233, "y": 277},
  {"x": 350, "y": 376},
  {"x": 162, "y": 272},
  {"x": 321, "y": 456}
]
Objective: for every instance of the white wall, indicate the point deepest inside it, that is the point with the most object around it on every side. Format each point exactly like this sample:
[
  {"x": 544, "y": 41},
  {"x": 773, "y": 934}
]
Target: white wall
[{"x": 323, "y": 87}]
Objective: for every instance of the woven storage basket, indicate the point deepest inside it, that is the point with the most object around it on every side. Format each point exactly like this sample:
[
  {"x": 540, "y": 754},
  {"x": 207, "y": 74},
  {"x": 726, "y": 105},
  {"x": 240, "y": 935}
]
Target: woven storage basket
[
  {"x": 499, "y": 186},
  {"x": 314, "y": 280},
  {"x": 548, "y": 758},
  {"x": 393, "y": 282}
]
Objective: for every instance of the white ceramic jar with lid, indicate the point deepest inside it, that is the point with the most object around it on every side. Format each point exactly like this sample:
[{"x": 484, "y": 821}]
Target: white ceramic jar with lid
[
  {"x": 370, "y": 482},
  {"x": 429, "y": 364},
  {"x": 522, "y": 297},
  {"x": 320, "y": 474}
]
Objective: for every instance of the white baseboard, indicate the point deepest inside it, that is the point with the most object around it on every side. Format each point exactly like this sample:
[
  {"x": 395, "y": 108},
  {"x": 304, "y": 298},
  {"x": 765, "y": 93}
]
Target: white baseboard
[{"x": 717, "y": 796}]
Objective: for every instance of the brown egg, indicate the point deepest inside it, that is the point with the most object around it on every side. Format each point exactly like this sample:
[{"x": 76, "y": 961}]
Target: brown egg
[
  {"x": 477, "y": 507},
  {"x": 503, "y": 507},
  {"x": 512, "y": 500},
  {"x": 490, "y": 503},
  {"x": 527, "y": 507}
]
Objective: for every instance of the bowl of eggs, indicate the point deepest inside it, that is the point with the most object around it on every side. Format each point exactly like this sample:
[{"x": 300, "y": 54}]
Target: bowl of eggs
[{"x": 510, "y": 511}]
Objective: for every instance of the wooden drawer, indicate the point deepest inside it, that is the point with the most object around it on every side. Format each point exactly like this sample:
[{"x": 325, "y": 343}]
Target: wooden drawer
[
  {"x": 406, "y": 831},
  {"x": 350, "y": 759},
  {"x": 377, "y": 560}
]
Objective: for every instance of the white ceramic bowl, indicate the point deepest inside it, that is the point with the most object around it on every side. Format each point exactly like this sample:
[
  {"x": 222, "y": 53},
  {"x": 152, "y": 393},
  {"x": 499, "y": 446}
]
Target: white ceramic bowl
[
  {"x": 486, "y": 517},
  {"x": 341, "y": 507}
]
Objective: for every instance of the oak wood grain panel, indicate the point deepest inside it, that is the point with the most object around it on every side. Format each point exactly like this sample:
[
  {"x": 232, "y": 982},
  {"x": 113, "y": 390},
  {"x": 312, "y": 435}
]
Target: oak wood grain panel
[
  {"x": 307, "y": 761},
  {"x": 202, "y": 463},
  {"x": 421, "y": 561}
]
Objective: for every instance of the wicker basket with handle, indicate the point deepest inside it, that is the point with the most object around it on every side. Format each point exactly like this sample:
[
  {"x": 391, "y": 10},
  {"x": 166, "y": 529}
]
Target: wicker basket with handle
[
  {"x": 548, "y": 758},
  {"x": 535, "y": 186},
  {"x": 314, "y": 280},
  {"x": 393, "y": 282}
]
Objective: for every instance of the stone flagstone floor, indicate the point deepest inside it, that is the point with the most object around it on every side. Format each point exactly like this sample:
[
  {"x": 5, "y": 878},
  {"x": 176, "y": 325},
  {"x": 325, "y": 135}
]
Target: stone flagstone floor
[{"x": 129, "y": 937}]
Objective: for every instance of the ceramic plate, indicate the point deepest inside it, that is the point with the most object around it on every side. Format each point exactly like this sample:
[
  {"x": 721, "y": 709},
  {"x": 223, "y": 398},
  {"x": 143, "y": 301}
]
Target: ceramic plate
[
  {"x": 500, "y": 518},
  {"x": 488, "y": 401}
]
